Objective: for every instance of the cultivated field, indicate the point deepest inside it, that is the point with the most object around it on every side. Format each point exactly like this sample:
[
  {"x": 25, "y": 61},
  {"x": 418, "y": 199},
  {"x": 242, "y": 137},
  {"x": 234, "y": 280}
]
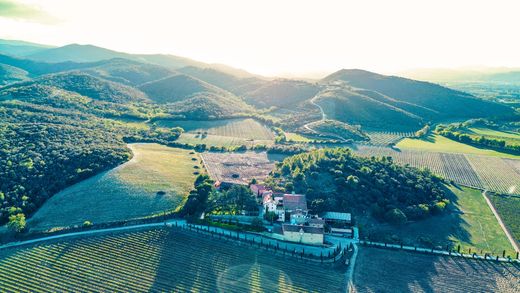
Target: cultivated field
[
  {"x": 380, "y": 270},
  {"x": 509, "y": 208},
  {"x": 450, "y": 166},
  {"x": 468, "y": 222},
  {"x": 219, "y": 140},
  {"x": 161, "y": 260},
  {"x": 496, "y": 174},
  {"x": 483, "y": 172},
  {"x": 438, "y": 143},
  {"x": 239, "y": 128},
  {"x": 154, "y": 181},
  {"x": 384, "y": 138},
  {"x": 239, "y": 167}
]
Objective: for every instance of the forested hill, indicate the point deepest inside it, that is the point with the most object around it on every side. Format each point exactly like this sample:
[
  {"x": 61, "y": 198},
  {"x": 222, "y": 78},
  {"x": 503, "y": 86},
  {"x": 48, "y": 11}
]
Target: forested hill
[{"x": 337, "y": 180}]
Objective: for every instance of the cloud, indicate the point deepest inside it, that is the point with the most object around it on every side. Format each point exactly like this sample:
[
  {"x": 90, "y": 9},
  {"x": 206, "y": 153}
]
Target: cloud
[{"x": 16, "y": 10}]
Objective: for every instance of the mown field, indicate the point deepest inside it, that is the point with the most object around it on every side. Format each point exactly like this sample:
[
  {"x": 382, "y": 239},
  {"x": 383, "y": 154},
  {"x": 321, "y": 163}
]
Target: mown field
[
  {"x": 380, "y": 270},
  {"x": 160, "y": 260},
  {"x": 438, "y": 143},
  {"x": 468, "y": 222},
  {"x": 155, "y": 180},
  {"x": 509, "y": 209}
]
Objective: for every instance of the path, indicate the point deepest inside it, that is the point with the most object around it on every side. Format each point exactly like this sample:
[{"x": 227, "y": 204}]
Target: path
[
  {"x": 323, "y": 118},
  {"x": 497, "y": 216}
]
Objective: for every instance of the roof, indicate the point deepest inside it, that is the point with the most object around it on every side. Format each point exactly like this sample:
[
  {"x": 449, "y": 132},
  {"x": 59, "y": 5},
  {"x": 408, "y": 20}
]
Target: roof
[
  {"x": 306, "y": 229},
  {"x": 294, "y": 202},
  {"x": 317, "y": 221},
  {"x": 257, "y": 188},
  {"x": 337, "y": 216}
]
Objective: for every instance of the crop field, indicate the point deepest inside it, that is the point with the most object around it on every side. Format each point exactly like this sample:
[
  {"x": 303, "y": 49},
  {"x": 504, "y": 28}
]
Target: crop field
[
  {"x": 160, "y": 260},
  {"x": 447, "y": 165},
  {"x": 496, "y": 174},
  {"x": 155, "y": 180},
  {"x": 219, "y": 140},
  {"x": 380, "y": 270},
  {"x": 239, "y": 167},
  {"x": 238, "y": 128},
  {"x": 508, "y": 207},
  {"x": 438, "y": 143},
  {"x": 384, "y": 138}
]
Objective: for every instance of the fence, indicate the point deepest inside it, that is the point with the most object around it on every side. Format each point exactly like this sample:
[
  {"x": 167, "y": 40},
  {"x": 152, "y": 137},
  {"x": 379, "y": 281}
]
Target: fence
[
  {"x": 447, "y": 252},
  {"x": 272, "y": 245}
]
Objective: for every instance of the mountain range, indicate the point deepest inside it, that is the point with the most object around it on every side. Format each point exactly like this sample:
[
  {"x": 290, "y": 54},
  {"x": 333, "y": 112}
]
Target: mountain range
[{"x": 183, "y": 88}]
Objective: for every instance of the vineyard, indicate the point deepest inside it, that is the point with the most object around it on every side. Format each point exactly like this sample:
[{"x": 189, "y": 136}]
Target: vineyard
[
  {"x": 450, "y": 166},
  {"x": 237, "y": 128},
  {"x": 160, "y": 260},
  {"x": 380, "y": 270},
  {"x": 496, "y": 174},
  {"x": 508, "y": 207},
  {"x": 385, "y": 138},
  {"x": 154, "y": 181}
]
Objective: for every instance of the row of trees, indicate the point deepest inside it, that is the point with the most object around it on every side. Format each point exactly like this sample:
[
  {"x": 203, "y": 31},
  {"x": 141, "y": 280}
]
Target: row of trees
[{"x": 458, "y": 133}]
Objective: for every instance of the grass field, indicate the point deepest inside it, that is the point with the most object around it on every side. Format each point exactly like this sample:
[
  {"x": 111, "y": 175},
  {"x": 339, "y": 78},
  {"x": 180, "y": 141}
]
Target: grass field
[
  {"x": 469, "y": 223},
  {"x": 381, "y": 270},
  {"x": 237, "y": 128},
  {"x": 161, "y": 260},
  {"x": 155, "y": 180},
  {"x": 496, "y": 133},
  {"x": 438, "y": 143},
  {"x": 291, "y": 136},
  {"x": 508, "y": 207}
]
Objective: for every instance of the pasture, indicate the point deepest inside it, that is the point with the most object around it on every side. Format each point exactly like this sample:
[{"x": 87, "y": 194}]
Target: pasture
[
  {"x": 468, "y": 222},
  {"x": 381, "y": 270},
  {"x": 154, "y": 181},
  {"x": 438, "y": 143},
  {"x": 159, "y": 260}
]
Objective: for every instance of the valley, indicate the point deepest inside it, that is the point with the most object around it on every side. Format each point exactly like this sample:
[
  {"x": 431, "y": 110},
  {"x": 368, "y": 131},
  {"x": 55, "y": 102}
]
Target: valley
[{"x": 92, "y": 138}]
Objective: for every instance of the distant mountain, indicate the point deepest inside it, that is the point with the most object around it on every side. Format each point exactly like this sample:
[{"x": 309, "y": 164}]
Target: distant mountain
[
  {"x": 10, "y": 74},
  {"x": 35, "y": 68},
  {"x": 466, "y": 75},
  {"x": 440, "y": 102},
  {"x": 20, "y": 48},
  {"x": 281, "y": 93},
  {"x": 194, "y": 97},
  {"x": 89, "y": 86}
]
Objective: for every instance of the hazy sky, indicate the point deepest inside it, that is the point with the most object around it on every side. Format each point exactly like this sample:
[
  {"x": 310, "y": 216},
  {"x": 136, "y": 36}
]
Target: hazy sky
[{"x": 282, "y": 36}]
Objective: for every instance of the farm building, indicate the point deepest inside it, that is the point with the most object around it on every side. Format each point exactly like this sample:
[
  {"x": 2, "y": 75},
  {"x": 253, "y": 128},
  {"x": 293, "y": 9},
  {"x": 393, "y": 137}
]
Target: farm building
[
  {"x": 336, "y": 218},
  {"x": 303, "y": 234}
]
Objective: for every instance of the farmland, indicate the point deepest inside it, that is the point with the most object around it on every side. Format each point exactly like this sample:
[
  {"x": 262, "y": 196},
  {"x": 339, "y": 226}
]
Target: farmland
[
  {"x": 450, "y": 166},
  {"x": 384, "y": 138},
  {"x": 469, "y": 222},
  {"x": 379, "y": 270},
  {"x": 219, "y": 140},
  {"x": 483, "y": 172},
  {"x": 438, "y": 143},
  {"x": 155, "y": 180},
  {"x": 239, "y": 167},
  {"x": 238, "y": 128},
  {"x": 497, "y": 175},
  {"x": 160, "y": 260},
  {"x": 508, "y": 207}
]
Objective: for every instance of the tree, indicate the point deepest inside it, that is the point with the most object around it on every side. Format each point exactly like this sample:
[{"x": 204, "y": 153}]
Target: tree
[
  {"x": 16, "y": 223},
  {"x": 242, "y": 198},
  {"x": 396, "y": 216}
]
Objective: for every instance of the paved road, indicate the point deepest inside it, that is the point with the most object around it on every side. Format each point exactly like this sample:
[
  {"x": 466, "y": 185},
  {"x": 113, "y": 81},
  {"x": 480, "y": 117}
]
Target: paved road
[{"x": 511, "y": 239}]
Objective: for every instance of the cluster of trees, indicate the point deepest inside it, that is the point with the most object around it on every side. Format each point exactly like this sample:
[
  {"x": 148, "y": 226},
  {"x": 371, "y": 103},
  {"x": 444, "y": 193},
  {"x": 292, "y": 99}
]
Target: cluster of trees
[
  {"x": 423, "y": 131},
  {"x": 457, "y": 132},
  {"x": 337, "y": 180}
]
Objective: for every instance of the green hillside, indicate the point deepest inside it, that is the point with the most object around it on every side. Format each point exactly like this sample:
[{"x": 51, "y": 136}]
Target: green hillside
[
  {"x": 354, "y": 108},
  {"x": 447, "y": 103},
  {"x": 10, "y": 74},
  {"x": 281, "y": 93}
]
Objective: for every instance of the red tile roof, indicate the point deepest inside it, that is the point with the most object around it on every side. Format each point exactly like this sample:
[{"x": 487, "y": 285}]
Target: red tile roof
[{"x": 294, "y": 202}]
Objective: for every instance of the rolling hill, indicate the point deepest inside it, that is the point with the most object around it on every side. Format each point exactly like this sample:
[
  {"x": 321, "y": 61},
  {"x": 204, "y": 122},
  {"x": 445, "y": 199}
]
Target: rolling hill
[
  {"x": 445, "y": 102},
  {"x": 10, "y": 74},
  {"x": 20, "y": 48}
]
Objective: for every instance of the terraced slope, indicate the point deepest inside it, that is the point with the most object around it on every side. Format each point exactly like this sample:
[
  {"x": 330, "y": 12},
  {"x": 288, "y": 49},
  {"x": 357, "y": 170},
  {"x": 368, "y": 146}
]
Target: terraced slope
[{"x": 160, "y": 260}]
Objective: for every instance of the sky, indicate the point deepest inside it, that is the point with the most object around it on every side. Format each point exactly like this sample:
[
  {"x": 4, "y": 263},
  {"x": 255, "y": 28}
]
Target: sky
[{"x": 282, "y": 37}]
